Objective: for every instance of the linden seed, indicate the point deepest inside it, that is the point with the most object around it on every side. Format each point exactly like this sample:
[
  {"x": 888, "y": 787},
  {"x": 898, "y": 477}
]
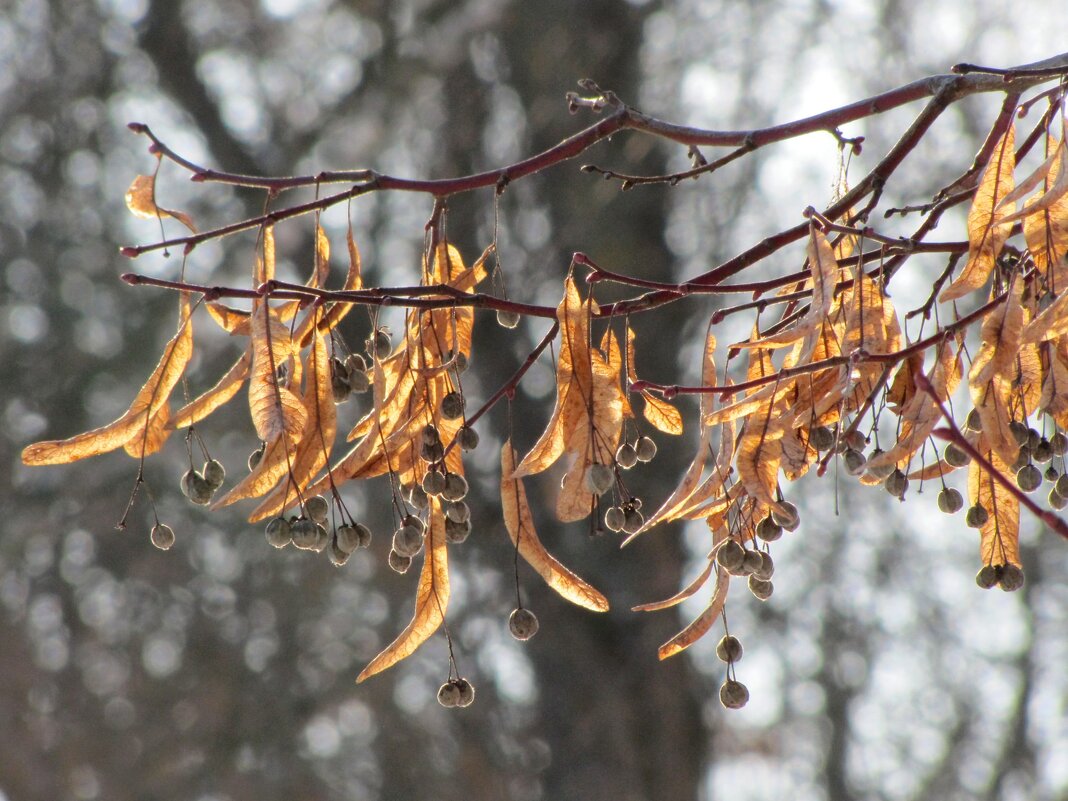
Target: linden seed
[
  {"x": 1012, "y": 578},
  {"x": 380, "y": 344},
  {"x": 467, "y": 692},
  {"x": 278, "y": 533},
  {"x": 255, "y": 456},
  {"x": 214, "y": 473},
  {"x": 506, "y": 318},
  {"x": 433, "y": 482},
  {"x": 359, "y": 381},
  {"x": 760, "y": 588},
  {"x": 1029, "y": 478},
  {"x": 729, "y": 648},
  {"x": 614, "y": 518},
  {"x": 768, "y": 530},
  {"x": 452, "y": 406},
  {"x": 460, "y": 363},
  {"x": 398, "y": 563},
  {"x": 882, "y": 472},
  {"x": 733, "y": 694},
  {"x": 955, "y": 455},
  {"x": 1058, "y": 443},
  {"x": 1019, "y": 432},
  {"x": 188, "y": 478},
  {"x": 855, "y": 440},
  {"x": 417, "y": 497},
  {"x": 730, "y": 555},
  {"x": 854, "y": 462},
  {"x": 407, "y": 541},
  {"x": 1062, "y": 485},
  {"x": 599, "y": 478},
  {"x": 950, "y": 500},
  {"x": 821, "y": 438},
  {"x": 322, "y": 538},
  {"x": 340, "y": 389},
  {"x": 897, "y": 484},
  {"x": 431, "y": 452},
  {"x": 1056, "y": 500},
  {"x": 455, "y": 488},
  {"x": 347, "y": 538},
  {"x": 458, "y": 512},
  {"x": 305, "y": 535},
  {"x": 1051, "y": 474},
  {"x": 645, "y": 449},
  {"x": 449, "y": 695},
  {"x": 523, "y": 624},
  {"x": 468, "y": 438},
  {"x": 626, "y": 456},
  {"x": 751, "y": 563},
  {"x": 987, "y": 576},
  {"x": 317, "y": 508},
  {"x": 976, "y": 516},
  {"x": 337, "y": 555},
  {"x": 456, "y": 532},
  {"x": 633, "y": 520},
  {"x": 162, "y": 536},
  {"x": 767, "y": 566},
  {"x": 786, "y": 515},
  {"x": 1023, "y": 458},
  {"x": 1034, "y": 439},
  {"x": 1043, "y": 452},
  {"x": 200, "y": 491},
  {"x": 973, "y": 422},
  {"x": 355, "y": 362}
]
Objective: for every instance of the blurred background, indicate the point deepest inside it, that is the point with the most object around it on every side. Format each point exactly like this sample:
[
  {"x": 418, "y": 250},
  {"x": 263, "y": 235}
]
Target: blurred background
[{"x": 224, "y": 670}]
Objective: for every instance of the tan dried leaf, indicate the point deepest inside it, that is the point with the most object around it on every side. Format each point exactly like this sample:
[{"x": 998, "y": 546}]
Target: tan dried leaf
[
  {"x": 276, "y": 409},
  {"x": 225, "y": 389},
  {"x": 141, "y": 200},
  {"x": 986, "y": 233},
  {"x": 1000, "y": 536},
  {"x": 662, "y": 415},
  {"x": 704, "y": 621},
  {"x": 431, "y": 599}
]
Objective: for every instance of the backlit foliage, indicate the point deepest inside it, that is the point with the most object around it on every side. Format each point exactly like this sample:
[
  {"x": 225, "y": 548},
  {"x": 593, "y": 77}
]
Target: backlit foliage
[{"x": 835, "y": 377}]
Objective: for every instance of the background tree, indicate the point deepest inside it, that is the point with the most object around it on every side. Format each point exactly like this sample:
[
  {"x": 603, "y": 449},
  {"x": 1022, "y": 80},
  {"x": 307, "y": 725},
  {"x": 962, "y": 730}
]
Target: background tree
[{"x": 225, "y": 672}]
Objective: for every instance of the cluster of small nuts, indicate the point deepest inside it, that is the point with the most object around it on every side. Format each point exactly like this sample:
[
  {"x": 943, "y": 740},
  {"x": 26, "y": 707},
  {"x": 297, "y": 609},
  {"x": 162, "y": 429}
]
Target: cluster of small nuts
[
  {"x": 758, "y": 566},
  {"x": 308, "y": 532},
  {"x": 200, "y": 486},
  {"x": 456, "y": 693},
  {"x": 732, "y": 693},
  {"x": 349, "y": 376},
  {"x": 1009, "y": 577}
]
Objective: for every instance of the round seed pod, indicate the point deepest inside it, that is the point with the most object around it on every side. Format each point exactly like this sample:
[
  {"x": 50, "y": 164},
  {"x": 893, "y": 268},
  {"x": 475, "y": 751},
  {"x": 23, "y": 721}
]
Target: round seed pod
[
  {"x": 322, "y": 538},
  {"x": 897, "y": 484},
  {"x": 767, "y": 566},
  {"x": 1011, "y": 579},
  {"x": 729, "y": 648},
  {"x": 431, "y": 452},
  {"x": 413, "y": 521},
  {"x": 456, "y": 532},
  {"x": 304, "y": 532},
  {"x": 821, "y": 438},
  {"x": 1058, "y": 443},
  {"x": 730, "y": 555},
  {"x": 398, "y": 563},
  {"x": 433, "y": 482},
  {"x": 599, "y": 478},
  {"x": 1042, "y": 452},
  {"x": 955, "y": 455},
  {"x": 760, "y": 588},
  {"x": 1056, "y": 500},
  {"x": 751, "y": 563},
  {"x": 162, "y": 536},
  {"x": 973, "y": 422},
  {"x": 786, "y": 515},
  {"x": 455, "y": 488},
  {"x": 855, "y": 440},
  {"x": 1023, "y": 458},
  {"x": 1019, "y": 432},
  {"x": 340, "y": 389},
  {"x": 733, "y": 694},
  {"x": 214, "y": 473},
  {"x": 1029, "y": 478},
  {"x": 449, "y": 695},
  {"x": 197, "y": 488},
  {"x": 626, "y": 456},
  {"x": 614, "y": 518},
  {"x": 1062, "y": 485},
  {"x": 506, "y": 318},
  {"x": 347, "y": 538},
  {"x": 418, "y": 498},
  {"x": 278, "y": 533},
  {"x": 430, "y": 434},
  {"x": 468, "y": 438},
  {"x": 458, "y": 512},
  {"x": 452, "y": 406},
  {"x": 255, "y": 456},
  {"x": 987, "y": 576},
  {"x": 467, "y": 692},
  {"x": 950, "y": 501},
  {"x": 359, "y": 381},
  {"x": 768, "y": 530},
  {"x": 976, "y": 516},
  {"x": 854, "y": 462},
  {"x": 407, "y": 541},
  {"x": 882, "y": 472},
  {"x": 1034, "y": 439},
  {"x": 645, "y": 450},
  {"x": 460, "y": 363},
  {"x": 317, "y": 508},
  {"x": 522, "y": 623},
  {"x": 633, "y": 520},
  {"x": 379, "y": 344},
  {"x": 338, "y": 557},
  {"x": 354, "y": 362},
  {"x": 1052, "y": 474}
]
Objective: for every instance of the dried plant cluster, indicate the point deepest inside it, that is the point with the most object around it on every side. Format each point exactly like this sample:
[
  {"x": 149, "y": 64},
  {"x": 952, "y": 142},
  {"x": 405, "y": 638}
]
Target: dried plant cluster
[{"x": 833, "y": 379}]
